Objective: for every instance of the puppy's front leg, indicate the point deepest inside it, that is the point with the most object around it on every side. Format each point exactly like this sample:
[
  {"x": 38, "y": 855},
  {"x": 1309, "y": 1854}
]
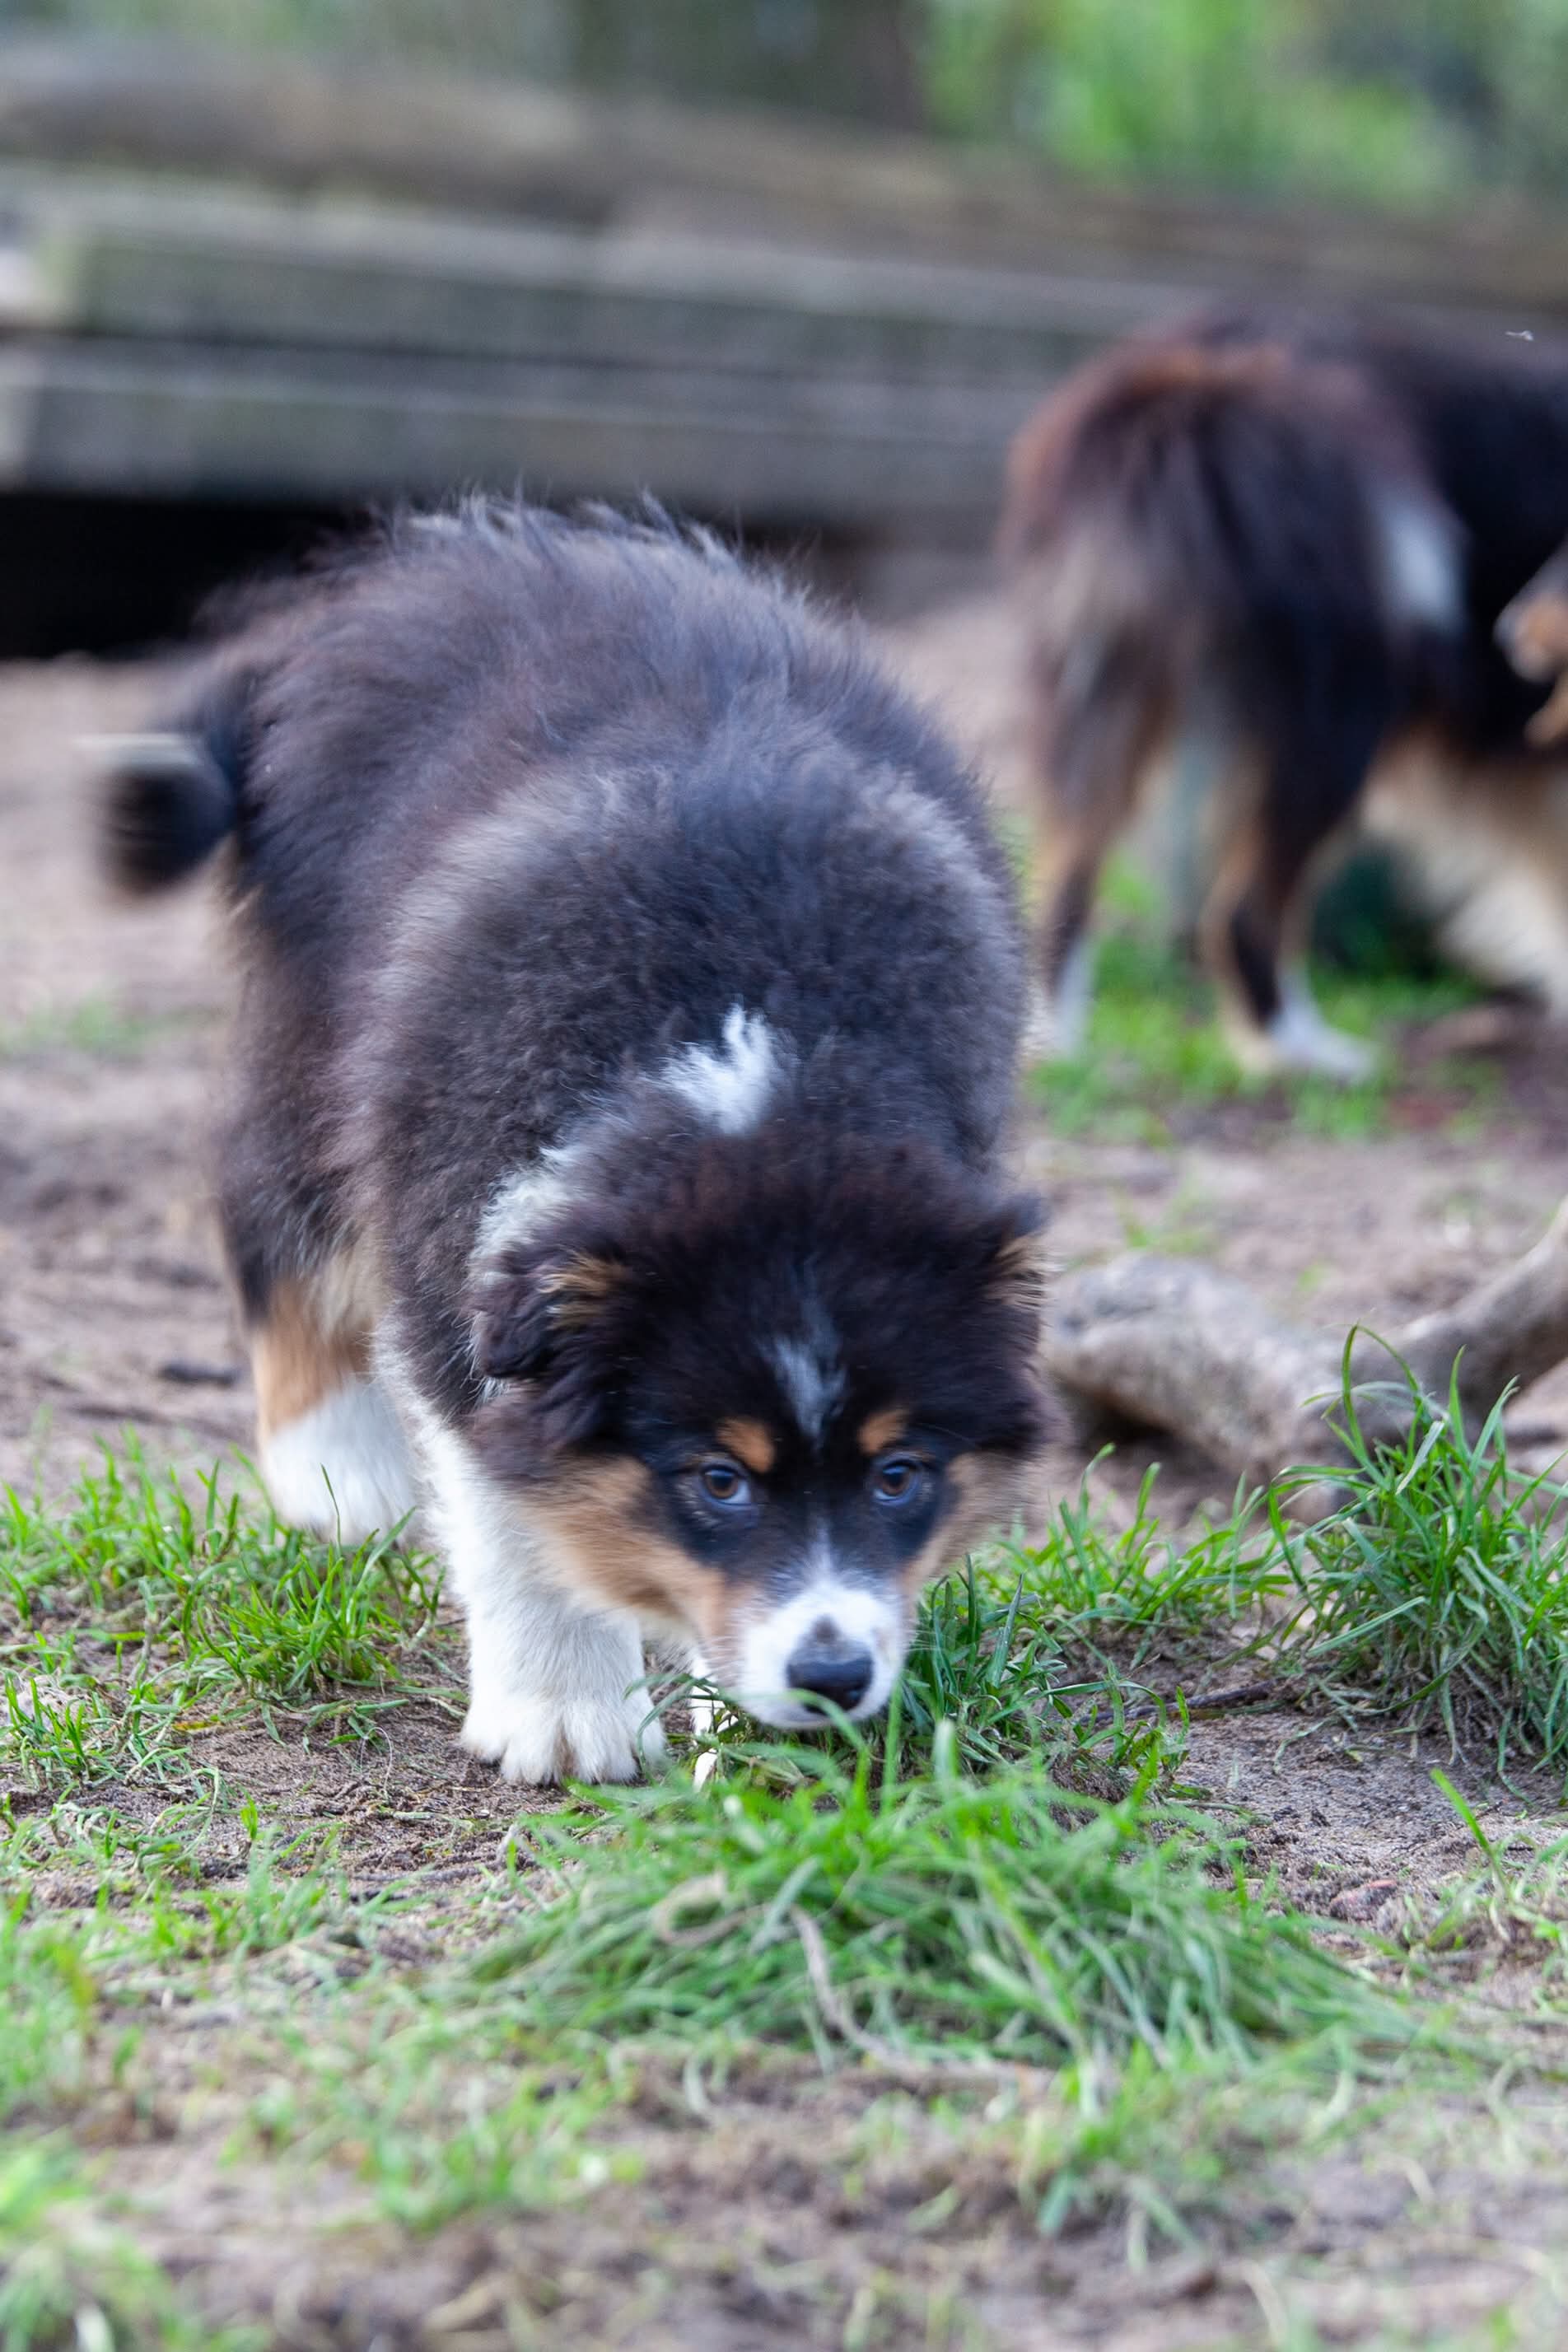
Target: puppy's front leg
[{"x": 549, "y": 1690}]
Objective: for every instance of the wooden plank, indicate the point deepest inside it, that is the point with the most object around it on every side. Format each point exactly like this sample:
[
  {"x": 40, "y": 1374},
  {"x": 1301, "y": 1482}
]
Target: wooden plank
[
  {"x": 202, "y": 423},
  {"x": 207, "y": 266},
  {"x": 514, "y": 149}
]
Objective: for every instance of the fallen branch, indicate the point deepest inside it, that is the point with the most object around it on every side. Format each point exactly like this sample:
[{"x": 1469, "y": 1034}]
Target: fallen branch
[{"x": 1170, "y": 1344}]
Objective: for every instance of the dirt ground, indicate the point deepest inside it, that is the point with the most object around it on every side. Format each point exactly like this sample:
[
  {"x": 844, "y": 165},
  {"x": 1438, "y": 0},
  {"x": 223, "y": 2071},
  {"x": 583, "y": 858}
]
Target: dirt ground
[{"x": 114, "y": 1314}]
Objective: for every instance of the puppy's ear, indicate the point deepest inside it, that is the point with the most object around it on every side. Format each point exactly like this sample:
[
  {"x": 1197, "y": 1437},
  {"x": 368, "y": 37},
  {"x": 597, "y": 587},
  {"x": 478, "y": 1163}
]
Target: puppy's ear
[
  {"x": 528, "y": 1308},
  {"x": 1018, "y": 1271},
  {"x": 539, "y": 1330},
  {"x": 538, "y": 1333}
]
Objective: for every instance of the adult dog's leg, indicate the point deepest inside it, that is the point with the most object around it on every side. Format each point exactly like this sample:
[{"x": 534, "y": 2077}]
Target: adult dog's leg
[
  {"x": 1253, "y": 937},
  {"x": 1098, "y": 722}
]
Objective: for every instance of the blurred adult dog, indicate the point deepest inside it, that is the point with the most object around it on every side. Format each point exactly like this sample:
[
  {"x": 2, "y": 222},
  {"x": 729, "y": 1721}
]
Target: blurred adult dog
[
  {"x": 632, "y": 990},
  {"x": 1266, "y": 558}
]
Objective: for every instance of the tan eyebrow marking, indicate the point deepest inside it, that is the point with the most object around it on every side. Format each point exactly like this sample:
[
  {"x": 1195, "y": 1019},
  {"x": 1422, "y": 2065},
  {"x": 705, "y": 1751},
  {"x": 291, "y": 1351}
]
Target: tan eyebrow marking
[
  {"x": 880, "y": 1428},
  {"x": 750, "y": 1442}
]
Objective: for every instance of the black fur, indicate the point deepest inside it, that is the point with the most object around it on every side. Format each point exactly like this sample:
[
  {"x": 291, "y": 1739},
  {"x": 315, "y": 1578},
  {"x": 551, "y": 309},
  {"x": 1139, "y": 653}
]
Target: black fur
[
  {"x": 903, "y": 1246},
  {"x": 1487, "y": 421}
]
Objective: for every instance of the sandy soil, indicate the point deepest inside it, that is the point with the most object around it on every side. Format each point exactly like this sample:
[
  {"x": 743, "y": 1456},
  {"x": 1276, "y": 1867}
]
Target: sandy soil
[{"x": 113, "y": 1313}]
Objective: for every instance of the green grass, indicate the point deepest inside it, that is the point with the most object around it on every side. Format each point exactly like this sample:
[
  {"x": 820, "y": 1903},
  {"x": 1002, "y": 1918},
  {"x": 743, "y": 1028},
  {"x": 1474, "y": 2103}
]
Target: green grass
[
  {"x": 1437, "y": 1595},
  {"x": 94, "y": 1025},
  {"x": 939, "y": 1916},
  {"x": 1512, "y": 1909},
  {"x": 999, "y": 1917},
  {"x": 1007, "y": 1677},
  {"x": 139, "y": 1617},
  {"x": 1132, "y": 1595},
  {"x": 1155, "y": 1052}
]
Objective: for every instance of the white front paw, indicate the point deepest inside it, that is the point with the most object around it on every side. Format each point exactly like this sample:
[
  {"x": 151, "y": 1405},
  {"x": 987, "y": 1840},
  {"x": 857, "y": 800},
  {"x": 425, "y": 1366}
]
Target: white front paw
[{"x": 542, "y": 1740}]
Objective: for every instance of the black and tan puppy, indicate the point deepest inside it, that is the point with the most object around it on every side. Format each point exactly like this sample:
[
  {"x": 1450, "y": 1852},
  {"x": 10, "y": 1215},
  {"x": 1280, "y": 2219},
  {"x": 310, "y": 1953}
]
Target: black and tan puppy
[
  {"x": 632, "y": 993},
  {"x": 1267, "y": 554}
]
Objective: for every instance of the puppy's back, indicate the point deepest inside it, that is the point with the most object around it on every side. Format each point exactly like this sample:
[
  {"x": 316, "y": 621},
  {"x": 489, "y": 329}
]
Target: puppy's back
[{"x": 607, "y": 777}]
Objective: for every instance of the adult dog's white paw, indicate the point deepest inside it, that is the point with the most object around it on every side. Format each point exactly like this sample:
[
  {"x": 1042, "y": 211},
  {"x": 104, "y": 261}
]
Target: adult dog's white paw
[
  {"x": 1300, "y": 1039},
  {"x": 543, "y": 1741}
]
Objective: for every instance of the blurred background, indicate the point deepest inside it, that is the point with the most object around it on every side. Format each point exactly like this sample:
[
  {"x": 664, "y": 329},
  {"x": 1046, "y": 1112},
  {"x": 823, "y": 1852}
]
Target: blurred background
[{"x": 800, "y": 266}]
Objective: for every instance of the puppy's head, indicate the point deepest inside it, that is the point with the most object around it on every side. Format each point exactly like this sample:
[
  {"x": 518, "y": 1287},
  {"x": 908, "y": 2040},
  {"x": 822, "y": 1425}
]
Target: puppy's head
[{"x": 770, "y": 1394}]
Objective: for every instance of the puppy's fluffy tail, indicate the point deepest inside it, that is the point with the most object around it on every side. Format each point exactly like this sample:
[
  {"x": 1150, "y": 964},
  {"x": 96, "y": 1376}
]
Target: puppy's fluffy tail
[{"x": 169, "y": 799}]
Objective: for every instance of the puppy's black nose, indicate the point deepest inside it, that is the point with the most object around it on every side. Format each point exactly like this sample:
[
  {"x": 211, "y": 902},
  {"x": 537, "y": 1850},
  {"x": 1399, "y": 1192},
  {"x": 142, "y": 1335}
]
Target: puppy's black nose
[{"x": 835, "y": 1672}]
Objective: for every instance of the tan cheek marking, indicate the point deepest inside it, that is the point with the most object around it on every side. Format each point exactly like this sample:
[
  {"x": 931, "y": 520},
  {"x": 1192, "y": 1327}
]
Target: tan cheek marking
[
  {"x": 880, "y": 1428},
  {"x": 592, "y": 1518},
  {"x": 987, "y": 1489},
  {"x": 750, "y": 1442},
  {"x": 312, "y": 1343}
]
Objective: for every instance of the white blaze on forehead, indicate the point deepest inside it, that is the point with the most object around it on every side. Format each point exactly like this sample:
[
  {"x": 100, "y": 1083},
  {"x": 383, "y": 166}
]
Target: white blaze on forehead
[
  {"x": 810, "y": 1373},
  {"x": 826, "y": 1612},
  {"x": 728, "y": 1083}
]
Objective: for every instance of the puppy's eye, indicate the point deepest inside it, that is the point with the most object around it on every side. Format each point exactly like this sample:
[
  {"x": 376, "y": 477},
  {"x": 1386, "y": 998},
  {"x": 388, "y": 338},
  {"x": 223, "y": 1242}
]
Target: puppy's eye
[
  {"x": 898, "y": 1479},
  {"x": 722, "y": 1482}
]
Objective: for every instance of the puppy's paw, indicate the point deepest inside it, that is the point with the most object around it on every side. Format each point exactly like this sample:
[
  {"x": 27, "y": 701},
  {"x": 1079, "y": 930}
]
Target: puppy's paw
[{"x": 541, "y": 1741}]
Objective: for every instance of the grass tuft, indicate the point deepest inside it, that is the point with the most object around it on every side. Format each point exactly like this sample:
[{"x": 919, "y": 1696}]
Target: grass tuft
[
  {"x": 1438, "y": 1592},
  {"x": 1134, "y": 1594},
  {"x": 139, "y": 1615},
  {"x": 940, "y": 1918}
]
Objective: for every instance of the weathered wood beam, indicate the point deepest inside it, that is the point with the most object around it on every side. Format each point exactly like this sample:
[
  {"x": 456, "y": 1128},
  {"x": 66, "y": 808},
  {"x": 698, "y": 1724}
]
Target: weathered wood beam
[
  {"x": 179, "y": 420},
  {"x": 210, "y": 265},
  {"x": 1172, "y": 1344}
]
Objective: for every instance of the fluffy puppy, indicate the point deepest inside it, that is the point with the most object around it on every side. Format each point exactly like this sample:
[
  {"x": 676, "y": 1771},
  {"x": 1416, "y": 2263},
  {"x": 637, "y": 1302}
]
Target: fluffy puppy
[
  {"x": 1264, "y": 557},
  {"x": 632, "y": 990}
]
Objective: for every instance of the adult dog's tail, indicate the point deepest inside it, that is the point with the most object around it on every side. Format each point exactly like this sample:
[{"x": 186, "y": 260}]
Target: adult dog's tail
[{"x": 1235, "y": 503}]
